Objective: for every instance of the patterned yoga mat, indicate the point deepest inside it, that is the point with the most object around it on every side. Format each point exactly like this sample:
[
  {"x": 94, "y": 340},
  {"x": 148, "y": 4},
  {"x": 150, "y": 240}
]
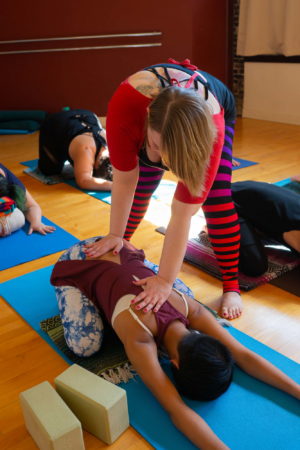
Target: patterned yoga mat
[
  {"x": 110, "y": 361},
  {"x": 199, "y": 252}
]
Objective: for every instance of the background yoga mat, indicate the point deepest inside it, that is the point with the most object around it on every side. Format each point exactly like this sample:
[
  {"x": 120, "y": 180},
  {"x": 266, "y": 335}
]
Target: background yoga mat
[
  {"x": 289, "y": 184},
  {"x": 20, "y": 122},
  {"x": 6, "y": 131},
  {"x": 243, "y": 163},
  {"x": 19, "y": 248},
  {"x": 164, "y": 192},
  {"x": 289, "y": 281},
  {"x": 250, "y": 415},
  {"x": 199, "y": 253},
  {"x": 32, "y": 165}
]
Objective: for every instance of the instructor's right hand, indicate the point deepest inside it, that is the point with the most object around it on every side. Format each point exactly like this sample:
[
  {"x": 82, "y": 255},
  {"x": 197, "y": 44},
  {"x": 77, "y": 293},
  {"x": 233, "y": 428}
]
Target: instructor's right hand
[{"x": 104, "y": 245}]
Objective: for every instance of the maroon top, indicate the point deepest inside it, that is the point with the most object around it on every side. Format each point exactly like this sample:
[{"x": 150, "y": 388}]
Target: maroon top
[{"x": 105, "y": 282}]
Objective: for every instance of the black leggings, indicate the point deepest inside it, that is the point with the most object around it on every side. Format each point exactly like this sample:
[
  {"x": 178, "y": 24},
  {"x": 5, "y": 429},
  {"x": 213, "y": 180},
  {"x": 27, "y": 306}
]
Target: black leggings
[{"x": 253, "y": 258}]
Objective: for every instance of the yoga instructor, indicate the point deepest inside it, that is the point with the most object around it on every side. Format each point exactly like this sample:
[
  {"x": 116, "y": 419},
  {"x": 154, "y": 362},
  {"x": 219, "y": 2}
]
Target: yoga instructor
[{"x": 174, "y": 117}]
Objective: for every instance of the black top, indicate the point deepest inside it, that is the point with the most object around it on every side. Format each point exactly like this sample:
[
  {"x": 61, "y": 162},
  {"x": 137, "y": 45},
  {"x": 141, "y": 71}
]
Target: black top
[
  {"x": 59, "y": 129},
  {"x": 215, "y": 86},
  {"x": 11, "y": 178}
]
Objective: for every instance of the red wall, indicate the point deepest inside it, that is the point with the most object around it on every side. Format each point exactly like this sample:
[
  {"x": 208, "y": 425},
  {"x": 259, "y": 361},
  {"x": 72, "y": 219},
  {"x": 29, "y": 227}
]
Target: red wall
[{"x": 197, "y": 29}]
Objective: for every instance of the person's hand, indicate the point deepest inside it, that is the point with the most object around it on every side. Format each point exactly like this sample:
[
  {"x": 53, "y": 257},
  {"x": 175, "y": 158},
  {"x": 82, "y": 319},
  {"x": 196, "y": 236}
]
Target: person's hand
[
  {"x": 104, "y": 245},
  {"x": 235, "y": 163},
  {"x": 156, "y": 291},
  {"x": 41, "y": 228}
]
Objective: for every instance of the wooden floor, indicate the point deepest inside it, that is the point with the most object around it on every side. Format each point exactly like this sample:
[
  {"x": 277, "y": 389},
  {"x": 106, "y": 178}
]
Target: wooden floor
[{"x": 270, "y": 315}]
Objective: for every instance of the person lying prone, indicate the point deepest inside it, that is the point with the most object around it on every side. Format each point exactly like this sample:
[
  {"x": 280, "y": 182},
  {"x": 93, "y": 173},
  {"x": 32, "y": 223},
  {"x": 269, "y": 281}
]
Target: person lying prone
[{"x": 202, "y": 352}]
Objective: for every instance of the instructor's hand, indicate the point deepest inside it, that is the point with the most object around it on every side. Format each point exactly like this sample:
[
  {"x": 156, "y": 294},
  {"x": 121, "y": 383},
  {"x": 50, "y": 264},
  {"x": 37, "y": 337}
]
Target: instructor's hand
[
  {"x": 156, "y": 291},
  {"x": 108, "y": 243}
]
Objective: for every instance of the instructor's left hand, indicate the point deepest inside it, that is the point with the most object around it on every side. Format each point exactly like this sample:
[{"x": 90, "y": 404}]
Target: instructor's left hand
[{"x": 156, "y": 291}]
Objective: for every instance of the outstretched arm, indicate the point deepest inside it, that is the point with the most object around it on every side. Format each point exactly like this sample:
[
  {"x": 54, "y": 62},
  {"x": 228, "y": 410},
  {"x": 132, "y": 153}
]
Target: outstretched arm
[
  {"x": 246, "y": 359},
  {"x": 143, "y": 356}
]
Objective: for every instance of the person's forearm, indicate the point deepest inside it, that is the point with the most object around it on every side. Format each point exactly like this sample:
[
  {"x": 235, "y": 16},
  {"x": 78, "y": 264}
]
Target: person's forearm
[
  {"x": 33, "y": 214},
  {"x": 93, "y": 183},
  {"x": 122, "y": 196},
  {"x": 260, "y": 368},
  {"x": 175, "y": 242},
  {"x": 173, "y": 249},
  {"x": 197, "y": 430}
]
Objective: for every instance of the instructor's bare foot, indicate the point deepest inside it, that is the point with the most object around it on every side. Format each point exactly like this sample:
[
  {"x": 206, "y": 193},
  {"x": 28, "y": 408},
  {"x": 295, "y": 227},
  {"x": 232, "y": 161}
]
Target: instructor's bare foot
[{"x": 231, "y": 305}]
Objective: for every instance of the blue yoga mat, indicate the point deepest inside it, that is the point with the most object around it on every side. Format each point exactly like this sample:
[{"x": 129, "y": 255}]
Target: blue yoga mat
[
  {"x": 243, "y": 163},
  {"x": 19, "y": 248},
  {"x": 250, "y": 415}
]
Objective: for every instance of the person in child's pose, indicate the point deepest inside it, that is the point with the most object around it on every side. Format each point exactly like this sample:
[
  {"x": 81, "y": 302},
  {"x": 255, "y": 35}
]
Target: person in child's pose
[
  {"x": 265, "y": 211},
  {"x": 25, "y": 206},
  {"x": 76, "y": 136},
  {"x": 174, "y": 117},
  {"x": 201, "y": 351}
]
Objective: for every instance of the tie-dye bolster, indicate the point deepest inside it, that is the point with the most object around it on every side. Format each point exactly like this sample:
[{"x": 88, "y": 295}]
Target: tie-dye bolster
[{"x": 82, "y": 323}]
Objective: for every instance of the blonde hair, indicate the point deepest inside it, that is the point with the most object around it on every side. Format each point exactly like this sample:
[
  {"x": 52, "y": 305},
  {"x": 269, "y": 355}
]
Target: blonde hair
[{"x": 187, "y": 130}]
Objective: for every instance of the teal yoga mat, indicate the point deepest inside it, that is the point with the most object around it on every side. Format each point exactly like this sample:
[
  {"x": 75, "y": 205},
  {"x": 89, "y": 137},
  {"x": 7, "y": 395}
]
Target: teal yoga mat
[
  {"x": 19, "y": 247},
  {"x": 250, "y": 415}
]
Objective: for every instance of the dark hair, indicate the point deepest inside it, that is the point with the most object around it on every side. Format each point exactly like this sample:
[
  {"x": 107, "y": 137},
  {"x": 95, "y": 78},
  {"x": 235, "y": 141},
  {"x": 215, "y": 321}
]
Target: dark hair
[
  {"x": 14, "y": 192},
  {"x": 205, "y": 367},
  {"x": 104, "y": 170}
]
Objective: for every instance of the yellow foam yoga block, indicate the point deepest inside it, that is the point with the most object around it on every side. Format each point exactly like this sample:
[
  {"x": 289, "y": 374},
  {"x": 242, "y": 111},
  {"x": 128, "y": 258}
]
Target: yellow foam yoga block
[
  {"x": 100, "y": 405},
  {"x": 48, "y": 419}
]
